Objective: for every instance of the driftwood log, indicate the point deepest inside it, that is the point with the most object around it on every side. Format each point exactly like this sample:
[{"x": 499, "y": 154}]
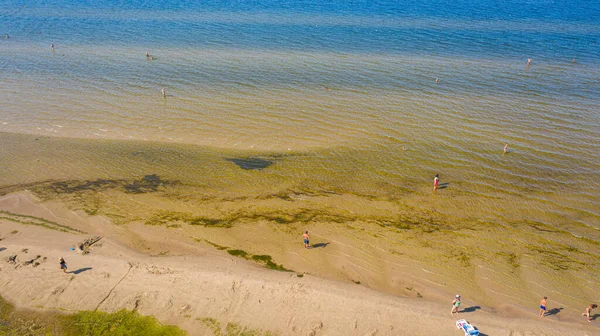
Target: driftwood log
[{"x": 86, "y": 244}]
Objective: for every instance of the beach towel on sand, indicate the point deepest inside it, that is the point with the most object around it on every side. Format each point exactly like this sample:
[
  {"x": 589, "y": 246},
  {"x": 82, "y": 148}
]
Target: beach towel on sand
[{"x": 467, "y": 327}]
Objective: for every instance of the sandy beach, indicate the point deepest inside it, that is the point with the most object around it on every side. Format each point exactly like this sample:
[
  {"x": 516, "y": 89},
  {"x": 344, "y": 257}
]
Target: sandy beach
[
  {"x": 186, "y": 283},
  {"x": 192, "y": 143}
]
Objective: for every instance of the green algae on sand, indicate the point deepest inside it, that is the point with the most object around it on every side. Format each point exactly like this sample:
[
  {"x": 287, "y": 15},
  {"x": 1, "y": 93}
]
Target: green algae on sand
[{"x": 94, "y": 323}]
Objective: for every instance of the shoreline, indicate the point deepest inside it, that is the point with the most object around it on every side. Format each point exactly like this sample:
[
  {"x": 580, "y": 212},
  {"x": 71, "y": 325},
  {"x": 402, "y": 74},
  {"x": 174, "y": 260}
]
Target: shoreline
[{"x": 182, "y": 282}]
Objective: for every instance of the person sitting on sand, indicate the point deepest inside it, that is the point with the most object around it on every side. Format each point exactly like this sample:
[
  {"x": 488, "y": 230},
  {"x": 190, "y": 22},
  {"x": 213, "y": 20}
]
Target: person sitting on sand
[
  {"x": 455, "y": 305},
  {"x": 588, "y": 311},
  {"x": 63, "y": 264},
  {"x": 436, "y": 181},
  {"x": 306, "y": 240},
  {"x": 543, "y": 304}
]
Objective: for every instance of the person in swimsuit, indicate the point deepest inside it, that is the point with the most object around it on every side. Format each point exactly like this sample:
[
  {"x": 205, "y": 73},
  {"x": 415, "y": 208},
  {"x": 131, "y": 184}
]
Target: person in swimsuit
[
  {"x": 455, "y": 305},
  {"x": 436, "y": 181},
  {"x": 63, "y": 264},
  {"x": 543, "y": 306},
  {"x": 588, "y": 311},
  {"x": 306, "y": 239},
  {"x": 505, "y": 148}
]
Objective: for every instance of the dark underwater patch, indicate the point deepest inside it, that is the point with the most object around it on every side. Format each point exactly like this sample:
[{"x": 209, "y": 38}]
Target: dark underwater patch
[
  {"x": 252, "y": 163},
  {"x": 148, "y": 183}
]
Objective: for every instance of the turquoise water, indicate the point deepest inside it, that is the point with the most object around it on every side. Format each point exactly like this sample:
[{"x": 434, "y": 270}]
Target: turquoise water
[{"x": 353, "y": 82}]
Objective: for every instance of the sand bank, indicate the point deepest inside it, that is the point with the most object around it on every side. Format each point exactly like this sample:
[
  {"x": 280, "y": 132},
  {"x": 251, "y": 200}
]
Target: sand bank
[{"x": 194, "y": 283}]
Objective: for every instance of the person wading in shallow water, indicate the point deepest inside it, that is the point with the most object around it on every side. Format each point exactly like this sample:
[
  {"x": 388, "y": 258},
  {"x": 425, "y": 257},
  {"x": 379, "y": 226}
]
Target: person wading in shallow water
[
  {"x": 63, "y": 264},
  {"x": 306, "y": 239}
]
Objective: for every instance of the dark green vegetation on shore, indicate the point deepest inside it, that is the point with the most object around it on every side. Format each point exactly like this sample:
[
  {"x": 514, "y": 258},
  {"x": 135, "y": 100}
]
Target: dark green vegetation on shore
[
  {"x": 232, "y": 329},
  {"x": 266, "y": 260},
  {"x": 93, "y": 323}
]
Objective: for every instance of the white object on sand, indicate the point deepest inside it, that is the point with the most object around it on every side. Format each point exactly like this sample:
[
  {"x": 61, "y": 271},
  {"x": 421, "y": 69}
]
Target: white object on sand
[{"x": 467, "y": 327}]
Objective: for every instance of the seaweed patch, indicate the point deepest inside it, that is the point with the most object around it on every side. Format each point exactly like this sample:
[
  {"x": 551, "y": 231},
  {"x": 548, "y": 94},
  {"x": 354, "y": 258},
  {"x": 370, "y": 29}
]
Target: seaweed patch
[{"x": 148, "y": 183}]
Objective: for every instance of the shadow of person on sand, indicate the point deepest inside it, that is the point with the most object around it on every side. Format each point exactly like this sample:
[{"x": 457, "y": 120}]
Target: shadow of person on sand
[
  {"x": 443, "y": 185},
  {"x": 81, "y": 270},
  {"x": 553, "y": 311},
  {"x": 317, "y": 245},
  {"x": 470, "y": 309},
  {"x": 593, "y": 318},
  {"x": 2, "y": 249}
]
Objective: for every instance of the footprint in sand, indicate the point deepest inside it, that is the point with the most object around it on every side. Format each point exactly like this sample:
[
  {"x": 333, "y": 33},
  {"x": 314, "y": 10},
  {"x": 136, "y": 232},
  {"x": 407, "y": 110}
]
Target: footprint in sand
[
  {"x": 58, "y": 290},
  {"x": 316, "y": 328}
]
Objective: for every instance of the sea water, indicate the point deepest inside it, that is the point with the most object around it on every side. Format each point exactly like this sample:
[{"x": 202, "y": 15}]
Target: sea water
[{"x": 350, "y": 85}]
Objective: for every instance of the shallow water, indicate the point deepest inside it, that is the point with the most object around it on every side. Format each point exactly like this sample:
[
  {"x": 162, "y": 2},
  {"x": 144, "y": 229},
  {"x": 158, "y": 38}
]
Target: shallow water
[{"x": 347, "y": 90}]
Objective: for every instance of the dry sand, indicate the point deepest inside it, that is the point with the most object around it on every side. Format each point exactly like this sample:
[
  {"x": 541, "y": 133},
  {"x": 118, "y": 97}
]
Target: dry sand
[{"x": 195, "y": 281}]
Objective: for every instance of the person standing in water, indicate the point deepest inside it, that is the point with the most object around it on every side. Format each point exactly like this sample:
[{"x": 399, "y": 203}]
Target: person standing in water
[
  {"x": 436, "y": 181},
  {"x": 505, "y": 148},
  {"x": 543, "y": 305},
  {"x": 306, "y": 239},
  {"x": 164, "y": 93},
  {"x": 455, "y": 305}
]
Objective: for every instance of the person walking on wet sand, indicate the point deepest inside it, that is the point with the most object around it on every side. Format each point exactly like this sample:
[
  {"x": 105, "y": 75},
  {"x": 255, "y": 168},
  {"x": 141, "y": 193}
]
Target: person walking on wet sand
[
  {"x": 306, "y": 239},
  {"x": 63, "y": 264},
  {"x": 588, "y": 311},
  {"x": 436, "y": 181},
  {"x": 455, "y": 305},
  {"x": 543, "y": 304}
]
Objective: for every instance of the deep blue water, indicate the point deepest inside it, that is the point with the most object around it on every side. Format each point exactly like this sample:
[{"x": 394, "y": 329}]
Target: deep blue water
[{"x": 550, "y": 29}]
